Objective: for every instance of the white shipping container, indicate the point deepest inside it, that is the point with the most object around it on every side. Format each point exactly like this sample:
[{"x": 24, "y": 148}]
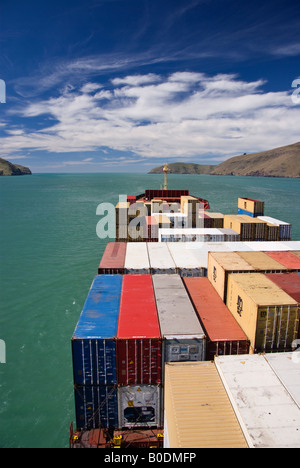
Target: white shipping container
[
  {"x": 161, "y": 261},
  {"x": 260, "y": 388},
  {"x": 292, "y": 245},
  {"x": 191, "y": 235},
  {"x": 137, "y": 259},
  {"x": 184, "y": 338},
  {"x": 139, "y": 406},
  {"x": 285, "y": 229},
  {"x": 186, "y": 262}
]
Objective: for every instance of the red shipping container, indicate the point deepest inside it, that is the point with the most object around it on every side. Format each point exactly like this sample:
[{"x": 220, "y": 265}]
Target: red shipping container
[
  {"x": 224, "y": 335},
  {"x": 113, "y": 260},
  {"x": 288, "y": 259},
  {"x": 139, "y": 343},
  {"x": 289, "y": 283}
]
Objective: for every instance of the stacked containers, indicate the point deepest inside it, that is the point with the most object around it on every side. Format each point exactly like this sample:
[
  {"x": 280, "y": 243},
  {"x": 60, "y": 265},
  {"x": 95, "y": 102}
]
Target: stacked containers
[
  {"x": 94, "y": 355},
  {"x": 285, "y": 229},
  {"x": 113, "y": 260},
  {"x": 288, "y": 282},
  {"x": 224, "y": 335},
  {"x": 143, "y": 229},
  {"x": 122, "y": 221},
  {"x": 248, "y": 228},
  {"x": 217, "y": 219},
  {"x": 190, "y": 206},
  {"x": 161, "y": 261},
  {"x": 184, "y": 339},
  {"x": 220, "y": 265},
  {"x": 268, "y": 315},
  {"x": 250, "y": 207},
  {"x": 139, "y": 354}
]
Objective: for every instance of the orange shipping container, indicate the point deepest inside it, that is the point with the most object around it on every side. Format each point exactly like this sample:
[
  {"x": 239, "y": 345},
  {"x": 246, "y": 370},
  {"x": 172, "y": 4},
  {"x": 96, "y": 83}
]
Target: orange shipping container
[
  {"x": 224, "y": 335},
  {"x": 288, "y": 259}
]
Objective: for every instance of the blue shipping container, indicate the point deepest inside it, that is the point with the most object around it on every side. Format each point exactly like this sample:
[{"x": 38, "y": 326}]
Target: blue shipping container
[
  {"x": 94, "y": 339},
  {"x": 96, "y": 407}
]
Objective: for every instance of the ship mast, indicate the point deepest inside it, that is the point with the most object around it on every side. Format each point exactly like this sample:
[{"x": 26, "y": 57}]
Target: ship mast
[{"x": 166, "y": 170}]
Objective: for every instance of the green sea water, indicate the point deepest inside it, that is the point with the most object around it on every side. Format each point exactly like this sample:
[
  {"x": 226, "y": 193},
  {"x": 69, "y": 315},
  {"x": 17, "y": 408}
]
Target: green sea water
[{"x": 49, "y": 254}]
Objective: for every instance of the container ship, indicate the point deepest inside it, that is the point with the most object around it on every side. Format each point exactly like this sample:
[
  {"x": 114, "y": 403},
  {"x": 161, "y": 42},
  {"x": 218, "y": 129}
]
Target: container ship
[{"x": 189, "y": 334}]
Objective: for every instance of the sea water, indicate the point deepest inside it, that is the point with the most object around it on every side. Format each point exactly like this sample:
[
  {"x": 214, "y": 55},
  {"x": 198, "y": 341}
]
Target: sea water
[{"x": 49, "y": 254}]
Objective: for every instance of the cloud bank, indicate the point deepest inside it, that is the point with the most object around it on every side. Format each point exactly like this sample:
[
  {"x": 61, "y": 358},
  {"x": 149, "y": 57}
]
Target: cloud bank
[{"x": 182, "y": 115}]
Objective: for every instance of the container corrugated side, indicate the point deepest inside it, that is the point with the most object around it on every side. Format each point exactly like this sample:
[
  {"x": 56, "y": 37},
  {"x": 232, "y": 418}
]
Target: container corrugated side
[
  {"x": 113, "y": 259},
  {"x": 267, "y": 314},
  {"x": 137, "y": 259},
  {"x": 191, "y": 235},
  {"x": 139, "y": 344},
  {"x": 285, "y": 229},
  {"x": 140, "y": 406},
  {"x": 187, "y": 264},
  {"x": 180, "y": 327},
  {"x": 290, "y": 261},
  {"x": 96, "y": 406},
  {"x": 224, "y": 335},
  {"x": 220, "y": 264},
  {"x": 198, "y": 411},
  {"x": 267, "y": 409},
  {"x": 161, "y": 261},
  {"x": 94, "y": 339}
]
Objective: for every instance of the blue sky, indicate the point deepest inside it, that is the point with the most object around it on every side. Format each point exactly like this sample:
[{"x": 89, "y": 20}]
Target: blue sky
[{"x": 126, "y": 85}]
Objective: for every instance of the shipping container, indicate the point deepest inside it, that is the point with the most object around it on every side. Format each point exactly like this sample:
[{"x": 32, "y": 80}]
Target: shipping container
[
  {"x": 285, "y": 229},
  {"x": 293, "y": 246},
  {"x": 290, "y": 261},
  {"x": 191, "y": 235},
  {"x": 113, "y": 259},
  {"x": 220, "y": 265},
  {"x": 187, "y": 264},
  {"x": 290, "y": 283},
  {"x": 96, "y": 407},
  {"x": 184, "y": 339},
  {"x": 198, "y": 411},
  {"x": 268, "y": 315},
  {"x": 296, "y": 253},
  {"x": 217, "y": 219},
  {"x": 224, "y": 335},
  {"x": 94, "y": 339},
  {"x": 265, "y": 246},
  {"x": 262, "y": 262},
  {"x": 251, "y": 206},
  {"x": 161, "y": 261},
  {"x": 139, "y": 344},
  {"x": 137, "y": 259},
  {"x": 249, "y": 229},
  {"x": 178, "y": 220},
  {"x": 230, "y": 235},
  {"x": 264, "y": 390},
  {"x": 140, "y": 406}
]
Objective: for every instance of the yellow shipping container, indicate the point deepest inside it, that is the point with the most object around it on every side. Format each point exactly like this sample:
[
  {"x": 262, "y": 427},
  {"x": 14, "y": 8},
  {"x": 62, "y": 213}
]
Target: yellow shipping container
[
  {"x": 198, "y": 411},
  {"x": 250, "y": 229},
  {"x": 262, "y": 262},
  {"x": 163, "y": 221},
  {"x": 253, "y": 206},
  {"x": 220, "y": 264},
  {"x": 267, "y": 315}
]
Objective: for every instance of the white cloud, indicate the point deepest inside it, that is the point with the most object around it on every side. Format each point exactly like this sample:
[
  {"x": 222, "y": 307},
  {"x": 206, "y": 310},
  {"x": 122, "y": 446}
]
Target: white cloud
[{"x": 183, "y": 115}]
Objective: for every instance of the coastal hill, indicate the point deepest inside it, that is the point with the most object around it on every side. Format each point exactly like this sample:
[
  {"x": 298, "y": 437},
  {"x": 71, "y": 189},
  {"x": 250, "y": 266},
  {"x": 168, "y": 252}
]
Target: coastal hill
[
  {"x": 185, "y": 168},
  {"x": 9, "y": 169},
  {"x": 278, "y": 162}
]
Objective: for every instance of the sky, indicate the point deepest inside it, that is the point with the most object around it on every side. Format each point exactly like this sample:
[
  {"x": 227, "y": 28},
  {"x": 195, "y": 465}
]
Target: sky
[{"x": 128, "y": 85}]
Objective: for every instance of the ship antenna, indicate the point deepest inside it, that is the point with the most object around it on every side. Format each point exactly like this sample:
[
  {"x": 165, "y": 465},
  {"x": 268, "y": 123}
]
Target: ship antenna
[{"x": 166, "y": 170}]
